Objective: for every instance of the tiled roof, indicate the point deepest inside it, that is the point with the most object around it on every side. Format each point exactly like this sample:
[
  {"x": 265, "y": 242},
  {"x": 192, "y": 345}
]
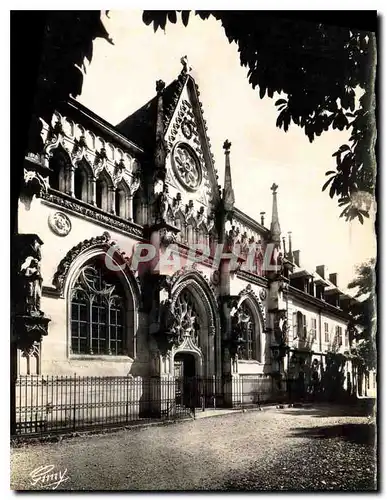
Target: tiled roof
[{"x": 140, "y": 126}]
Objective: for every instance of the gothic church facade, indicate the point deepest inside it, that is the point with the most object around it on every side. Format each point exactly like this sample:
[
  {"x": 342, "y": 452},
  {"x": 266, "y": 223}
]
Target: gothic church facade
[{"x": 90, "y": 304}]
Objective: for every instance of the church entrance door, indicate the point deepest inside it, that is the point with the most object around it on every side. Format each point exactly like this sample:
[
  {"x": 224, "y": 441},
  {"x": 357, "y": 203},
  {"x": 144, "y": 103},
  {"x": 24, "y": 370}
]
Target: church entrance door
[{"x": 185, "y": 379}]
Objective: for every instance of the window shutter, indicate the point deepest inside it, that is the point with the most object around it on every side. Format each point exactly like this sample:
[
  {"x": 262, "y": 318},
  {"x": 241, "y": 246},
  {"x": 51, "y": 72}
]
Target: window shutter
[
  {"x": 294, "y": 325},
  {"x": 300, "y": 325},
  {"x": 304, "y": 325}
]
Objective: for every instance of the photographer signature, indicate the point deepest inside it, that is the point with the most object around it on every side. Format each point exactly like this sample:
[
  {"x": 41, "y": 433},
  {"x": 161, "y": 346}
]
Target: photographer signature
[{"x": 46, "y": 476}]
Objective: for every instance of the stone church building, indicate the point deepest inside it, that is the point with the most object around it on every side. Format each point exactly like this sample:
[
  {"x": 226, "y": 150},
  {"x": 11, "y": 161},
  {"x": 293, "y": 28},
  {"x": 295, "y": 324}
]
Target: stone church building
[{"x": 132, "y": 261}]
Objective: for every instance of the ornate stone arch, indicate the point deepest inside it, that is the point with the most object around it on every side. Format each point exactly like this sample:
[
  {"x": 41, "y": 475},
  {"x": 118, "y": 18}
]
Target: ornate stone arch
[
  {"x": 208, "y": 348},
  {"x": 88, "y": 253},
  {"x": 96, "y": 245},
  {"x": 60, "y": 165},
  {"x": 249, "y": 292},
  {"x": 254, "y": 303},
  {"x": 84, "y": 169}
]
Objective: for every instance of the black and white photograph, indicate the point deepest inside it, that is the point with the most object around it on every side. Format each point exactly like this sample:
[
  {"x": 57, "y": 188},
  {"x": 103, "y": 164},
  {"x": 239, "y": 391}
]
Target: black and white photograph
[{"x": 193, "y": 264}]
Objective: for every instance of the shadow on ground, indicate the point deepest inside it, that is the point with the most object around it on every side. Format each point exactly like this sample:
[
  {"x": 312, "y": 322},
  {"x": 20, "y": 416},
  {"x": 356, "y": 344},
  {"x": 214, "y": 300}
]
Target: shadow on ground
[
  {"x": 353, "y": 433},
  {"x": 332, "y": 410}
]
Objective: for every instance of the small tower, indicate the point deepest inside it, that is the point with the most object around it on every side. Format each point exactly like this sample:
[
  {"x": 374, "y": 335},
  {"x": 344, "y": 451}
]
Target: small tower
[
  {"x": 160, "y": 151},
  {"x": 275, "y": 229},
  {"x": 228, "y": 192}
]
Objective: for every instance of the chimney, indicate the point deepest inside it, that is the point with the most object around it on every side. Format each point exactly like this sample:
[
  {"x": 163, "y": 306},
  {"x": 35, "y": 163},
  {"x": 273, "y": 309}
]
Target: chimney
[
  {"x": 333, "y": 278},
  {"x": 262, "y": 214},
  {"x": 296, "y": 257},
  {"x": 321, "y": 271},
  {"x": 290, "y": 252},
  {"x": 284, "y": 246}
]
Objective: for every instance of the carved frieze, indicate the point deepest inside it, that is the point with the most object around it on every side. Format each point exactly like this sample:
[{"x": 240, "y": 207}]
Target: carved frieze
[
  {"x": 75, "y": 206},
  {"x": 80, "y": 144}
]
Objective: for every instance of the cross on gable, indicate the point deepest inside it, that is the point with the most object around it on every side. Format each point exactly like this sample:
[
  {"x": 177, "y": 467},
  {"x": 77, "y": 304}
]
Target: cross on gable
[{"x": 227, "y": 145}]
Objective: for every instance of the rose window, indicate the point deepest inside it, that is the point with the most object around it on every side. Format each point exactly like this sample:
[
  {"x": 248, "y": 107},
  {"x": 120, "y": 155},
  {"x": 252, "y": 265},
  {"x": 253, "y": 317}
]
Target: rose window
[{"x": 186, "y": 167}]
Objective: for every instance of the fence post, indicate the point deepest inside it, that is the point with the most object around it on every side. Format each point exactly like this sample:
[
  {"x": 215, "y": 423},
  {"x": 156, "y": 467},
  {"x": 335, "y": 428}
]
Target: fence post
[{"x": 75, "y": 399}]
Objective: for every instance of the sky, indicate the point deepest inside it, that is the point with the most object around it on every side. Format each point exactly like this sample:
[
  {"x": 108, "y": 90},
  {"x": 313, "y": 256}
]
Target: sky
[{"x": 121, "y": 78}]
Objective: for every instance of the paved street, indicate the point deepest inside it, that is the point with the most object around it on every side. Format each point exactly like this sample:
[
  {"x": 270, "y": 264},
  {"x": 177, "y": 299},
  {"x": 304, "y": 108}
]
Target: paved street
[{"x": 281, "y": 449}]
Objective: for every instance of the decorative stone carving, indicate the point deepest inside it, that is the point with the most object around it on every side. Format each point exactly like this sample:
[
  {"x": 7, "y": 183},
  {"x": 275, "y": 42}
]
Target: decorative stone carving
[
  {"x": 54, "y": 136},
  {"x": 215, "y": 278},
  {"x": 162, "y": 206},
  {"x": 31, "y": 278},
  {"x": 135, "y": 184},
  {"x": 64, "y": 265},
  {"x": 29, "y": 321},
  {"x": 201, "y": 217},
  {"x": 31, "y": 351},
  {"x": 127, "y": 227},
  {"x": 186, "y": 166},
  {"x": 240, "y": 322},
  {"x": 248, "y": 291},
  {"x": 281, "y": 327},
  {"x": 176, "y": 205},
  {"x": 118, "y": 174},
  {"x": 168, "y": 235},
  {"x": 186, "y": 67},
  {"x": 59, "y": 223},
  {"x": 79, "y": 150},
  {"x": 186, "y": 128},
  {"x": 179, "y": 322},
  {"x": 100, "y": 162},
  {"x": 34, "y": 185},
  {"x": 190, "y": 211}
]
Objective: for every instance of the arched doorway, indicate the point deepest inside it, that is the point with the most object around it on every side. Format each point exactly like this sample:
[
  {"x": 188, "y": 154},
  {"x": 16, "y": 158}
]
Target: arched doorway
[
  {"x": 186, "y": 379},
  {"x": 184, "y": 365}
]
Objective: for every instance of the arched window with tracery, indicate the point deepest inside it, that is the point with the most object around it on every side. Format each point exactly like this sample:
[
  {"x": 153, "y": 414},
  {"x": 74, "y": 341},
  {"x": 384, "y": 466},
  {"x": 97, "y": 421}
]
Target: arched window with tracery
[
  {"x": 245, "y": 332},
  {"x": 98, "y": 316},
  {"x": 249, "y": 335}
]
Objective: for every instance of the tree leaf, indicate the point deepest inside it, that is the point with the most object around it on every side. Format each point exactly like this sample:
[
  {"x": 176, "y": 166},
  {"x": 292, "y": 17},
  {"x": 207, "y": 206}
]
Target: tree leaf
[
  {"x": 185, "y": 17},
  {"x": 327, "y": 183}
]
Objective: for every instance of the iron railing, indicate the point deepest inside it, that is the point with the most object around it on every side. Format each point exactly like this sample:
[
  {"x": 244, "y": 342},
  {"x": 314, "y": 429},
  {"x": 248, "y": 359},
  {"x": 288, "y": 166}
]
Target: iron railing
[{"x": 60, "y": 404}]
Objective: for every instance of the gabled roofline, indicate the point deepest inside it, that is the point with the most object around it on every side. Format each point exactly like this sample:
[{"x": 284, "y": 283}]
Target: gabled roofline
[
  {"x": 249, "y": 221},
  {"x": 103, "y": 125}
]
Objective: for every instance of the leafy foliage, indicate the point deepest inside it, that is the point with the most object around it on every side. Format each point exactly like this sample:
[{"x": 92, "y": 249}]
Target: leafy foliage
[
  {"x": 363, "y": 313},
  {"x": 318, "y": 68},
  {"x": 67, "y": 41}
]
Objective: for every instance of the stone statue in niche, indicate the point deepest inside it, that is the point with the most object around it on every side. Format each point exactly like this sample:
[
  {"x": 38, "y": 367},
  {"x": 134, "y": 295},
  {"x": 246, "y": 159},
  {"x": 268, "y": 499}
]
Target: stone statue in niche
[
  {"x": 177, "y": 204},
  {"x": 162, "y": 205},
  {"x": 31, "y": 279},
  {"x": 190, "y": 210},
  {"x": 281, "y": 328},
  {"x": 231, "y": 237}
]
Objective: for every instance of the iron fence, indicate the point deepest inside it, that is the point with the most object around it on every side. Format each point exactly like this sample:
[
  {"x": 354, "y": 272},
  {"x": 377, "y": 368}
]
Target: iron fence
[{"x": 60, "y": 404}]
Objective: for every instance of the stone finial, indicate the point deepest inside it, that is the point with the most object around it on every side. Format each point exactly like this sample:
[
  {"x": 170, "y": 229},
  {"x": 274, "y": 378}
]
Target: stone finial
[
  {"x": 228, "y": 192},
  {"x": 160, "y": 86},
  {"x": 227, "y": 146},
  {"x": 275, "y": 228},
  {"x": 262, "y": 214},
  {"x": 186, "y": 67}
]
